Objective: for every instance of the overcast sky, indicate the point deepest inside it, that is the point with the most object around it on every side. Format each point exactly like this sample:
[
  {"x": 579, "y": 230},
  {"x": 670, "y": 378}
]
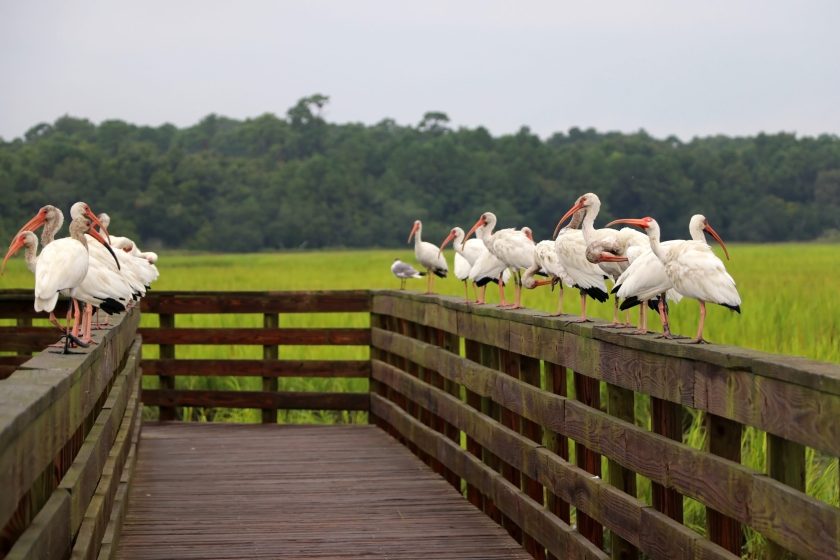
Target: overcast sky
[{"x": 670, "y": 67}]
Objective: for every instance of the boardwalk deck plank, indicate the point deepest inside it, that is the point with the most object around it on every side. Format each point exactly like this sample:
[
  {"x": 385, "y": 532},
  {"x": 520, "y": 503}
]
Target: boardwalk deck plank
[{"x": 268, "y": 491}]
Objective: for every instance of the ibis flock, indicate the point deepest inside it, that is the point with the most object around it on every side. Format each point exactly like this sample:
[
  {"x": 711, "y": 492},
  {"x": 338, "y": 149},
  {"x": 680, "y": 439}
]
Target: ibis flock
[
  {"x": 643, "y": 270},
  {"x": 84, "y": 267}
]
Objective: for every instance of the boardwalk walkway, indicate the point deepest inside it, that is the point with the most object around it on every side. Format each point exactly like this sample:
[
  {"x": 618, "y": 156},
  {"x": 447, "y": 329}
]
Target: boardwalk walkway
[{"x": 269, "y": 491}]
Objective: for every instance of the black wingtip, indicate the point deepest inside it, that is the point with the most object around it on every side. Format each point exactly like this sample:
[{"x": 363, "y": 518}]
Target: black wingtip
[
  {"x": 597, "y": 294},
  {"x": 736, "y": 308},
  {"x": 440, "y": 273},
  {"x": 629, "y": 303}
]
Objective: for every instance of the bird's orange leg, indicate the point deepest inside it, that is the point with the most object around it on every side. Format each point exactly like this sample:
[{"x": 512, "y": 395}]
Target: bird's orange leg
[
  {"x": 480, "y": 295},
  {"x": 77, "y": 319},
  {"x": 663, "y": 316},
  {"x": 700, "y": 339},
  {"x": 642, "y": 319},
  {"x": 502, "y": 302},
  {"x": 582, "y": 318},
  {"x": 466, "y": 292},
  {"x": 87, "y": 337}
]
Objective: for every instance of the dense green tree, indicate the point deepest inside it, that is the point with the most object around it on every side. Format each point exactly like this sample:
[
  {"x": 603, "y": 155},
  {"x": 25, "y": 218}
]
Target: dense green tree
[{"x": 299, "y": 181}]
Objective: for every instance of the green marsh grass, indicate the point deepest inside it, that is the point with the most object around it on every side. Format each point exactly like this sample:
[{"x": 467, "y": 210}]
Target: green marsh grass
[{"x": 791, "y": 305}]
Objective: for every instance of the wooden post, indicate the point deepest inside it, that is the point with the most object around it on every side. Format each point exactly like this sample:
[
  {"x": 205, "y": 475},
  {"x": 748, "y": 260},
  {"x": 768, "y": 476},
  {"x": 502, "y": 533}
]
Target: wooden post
[
  {"x": 785, "y": 463},
  {"x": 473, "y": 352},
  {"x": 450, "y": 343},
  {"x": 555, "y": 379},
  {"x": 666, "y": 419},
  {"x": 24, "y": 322},
  {"x": 587, "y": 391},
  {"x": 620, "y": 403},
  {"x": 724, "y": 439},
  {"x": 167, "y": 352},
  {"x": 269, "y": 384},
  {"x": 510, "y": 365},
  {"x": 529, "y": 372}
]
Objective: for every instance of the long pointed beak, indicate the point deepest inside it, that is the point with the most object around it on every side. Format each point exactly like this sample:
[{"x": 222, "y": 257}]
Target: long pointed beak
[
  {"x": 13, "y": 248},
  {"x": 565, "y": 217},
  {"x": 413, "y": 231},
  {"x": 609, "y": 257},
  {"x": 37, "y": 221},
  {"x": 638, "y": 222},
  {"x": 714, "y": 234},
  {"x": 95, "y": 234},
  {"x": 96, "y": 221},
  {"x": 476, "y": 225},
  {"x": 446, "y": 241},
  {"x": 543, "y": 283}
]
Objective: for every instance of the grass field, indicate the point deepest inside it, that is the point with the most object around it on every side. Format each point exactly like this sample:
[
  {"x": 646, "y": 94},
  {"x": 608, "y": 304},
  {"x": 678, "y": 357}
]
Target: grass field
[{"x": 791, "y": 305}]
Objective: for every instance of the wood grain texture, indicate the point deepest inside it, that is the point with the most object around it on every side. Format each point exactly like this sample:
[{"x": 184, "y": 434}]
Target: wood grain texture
[
  {"x": 256, "y": 302},
  {"x": 275, "y": 494},
  {"x": 287, "y": 400},
  {"x": 257, "y": 368},
  {"x": 256, "y": 337}
]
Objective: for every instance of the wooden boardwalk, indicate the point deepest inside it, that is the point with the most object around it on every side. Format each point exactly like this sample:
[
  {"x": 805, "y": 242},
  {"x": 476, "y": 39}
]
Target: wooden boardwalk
[{"x": 271, "y": 491}]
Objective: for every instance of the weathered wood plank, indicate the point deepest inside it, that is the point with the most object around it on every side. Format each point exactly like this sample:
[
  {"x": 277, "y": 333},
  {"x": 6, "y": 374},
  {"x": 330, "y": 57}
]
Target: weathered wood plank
[
  {"x": 257, "y": 368},
  {"x": 256, "y": 337},
  {"x": 287, "y": 400},
  {"x": 43, "y": 403},
  {"x": 724, "y": 440},
  {"x": 256, "y": 302},
  {"x": 49, "y": 535},
  {"x": 785, "y": 463},
  {"x": 270, "y": 353},
  {"x": 551, "y": 531}
]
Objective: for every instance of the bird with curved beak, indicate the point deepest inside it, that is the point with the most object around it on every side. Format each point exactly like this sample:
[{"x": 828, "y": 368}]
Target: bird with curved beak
[
  {"x": 428, "y": 255},
  {"x": 693, "y": 269}
]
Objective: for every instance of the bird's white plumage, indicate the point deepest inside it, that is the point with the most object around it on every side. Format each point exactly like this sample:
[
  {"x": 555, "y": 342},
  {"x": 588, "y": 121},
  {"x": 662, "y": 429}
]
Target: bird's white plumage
[
  {"x": 547, "y": 258},
  {"x": 645, "y": 278},
  {"x": 62, "y": 265},
  {"x": 428, "y": 255},
  {"x": 571, "y": 250},
  {"x": 697, "y": 272}
]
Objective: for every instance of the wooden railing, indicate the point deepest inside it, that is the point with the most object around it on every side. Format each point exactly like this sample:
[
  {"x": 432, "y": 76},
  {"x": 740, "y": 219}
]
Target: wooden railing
[
  {"x": 69, "y": 426},
  {"x": 271, "y": 337},
  {"x": 552, "y": 428},
  {"x": 508, "y": 398}
]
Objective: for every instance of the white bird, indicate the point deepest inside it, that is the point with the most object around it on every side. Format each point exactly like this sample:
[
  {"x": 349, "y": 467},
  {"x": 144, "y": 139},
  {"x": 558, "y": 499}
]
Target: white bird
[
  {"x": 547, "y": 261},
  {"x": 62, "y": 266},
  {"x": 586, "y": 276},
  {"x": 510, "y": 246},
  {"x": 404, "y": 271},
  {"x": 427, "y": 255},
  {"x": 617, "y": 240},
  {"x": 694, "y": 270},
  {"x": 466, "y": 254}
]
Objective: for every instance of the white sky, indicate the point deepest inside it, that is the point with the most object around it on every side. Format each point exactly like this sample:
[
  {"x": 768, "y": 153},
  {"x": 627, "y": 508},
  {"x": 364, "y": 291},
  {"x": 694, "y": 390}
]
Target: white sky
[{"x": 670, "y": 67}]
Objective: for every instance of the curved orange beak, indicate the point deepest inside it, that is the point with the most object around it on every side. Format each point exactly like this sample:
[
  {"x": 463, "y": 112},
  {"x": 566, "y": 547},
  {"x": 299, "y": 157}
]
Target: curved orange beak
[
  {"x": 566, "y": 216},
  {"x": 37, "y": 221},
  {"x": 543, "y": 283},
  {"x": 481, "y": 221},
  {"x": 638, "y": 222},
  {"x": 446, "y": 241},
  {"x": 714, "y": 234},
  {"x": 95, "y": 234},
  {"x": 413, "y": 231},
  {"x": 89, "y": 213},
  {"x": 609, "y": 257},
  {"x": 16, "y": 245}
]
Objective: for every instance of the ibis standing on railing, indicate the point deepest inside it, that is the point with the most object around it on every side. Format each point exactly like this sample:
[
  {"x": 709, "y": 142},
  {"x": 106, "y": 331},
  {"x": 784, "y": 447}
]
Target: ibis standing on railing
[
  {"x": 467, "y": 253},
  {"x": 512, "y": 247},
  {"x": 428, "y": 255},
  {"x": 618, "y": 241},
  {"x": 694, "y": 270}
]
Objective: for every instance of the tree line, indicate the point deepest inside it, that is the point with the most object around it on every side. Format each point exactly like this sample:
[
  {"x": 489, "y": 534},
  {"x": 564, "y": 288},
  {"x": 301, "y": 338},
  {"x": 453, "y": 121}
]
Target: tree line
[{"x": 302, "y": 182}]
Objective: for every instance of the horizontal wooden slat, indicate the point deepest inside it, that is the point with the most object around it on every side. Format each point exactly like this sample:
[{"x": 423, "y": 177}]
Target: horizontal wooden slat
[
  {"x": 27, "y": 339},
  {"x": 19, "y": 303},
  {"x": 43, "y": 405},
  {"x": 728, "y": 487},
  {"x": 261, "y": 337},
  {"x": 258, "y": 368},
  {"x": 560, "y": 539},
  {"x": 256, "y": 302},
  {"x": 747, "y": 392},
  {"x": 256, "y": 399},
  {"x": 611, "y": 507},
  {"x": 491, "y": 325}
]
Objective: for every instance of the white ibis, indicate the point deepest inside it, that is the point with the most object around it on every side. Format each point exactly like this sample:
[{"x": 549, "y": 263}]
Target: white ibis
[
  {"x": 428, "y": 256},
  {"x": 547, "y": 261},
  {"x": 404, "y": 271},
  {"x": 618, "y": 240},
  {"x": 467, "y": 252},
  {"x": 63, "y": 265},
  {"x": 510, "y": 246},
  {"x": 694, "y": 270},
  {"x": 586, "y": 276}
]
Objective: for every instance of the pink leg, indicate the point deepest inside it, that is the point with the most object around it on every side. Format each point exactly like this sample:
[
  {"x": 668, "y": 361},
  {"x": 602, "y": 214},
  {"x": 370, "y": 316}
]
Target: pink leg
[
  {"x": 479, "y": 299},
  {"x": 502, "y": 302},
  {"x": 77, "y": 319},
  {"x": 466, "y": 292},
  {"x": 700, "y": 339},
  {"x": 582, "y": 318}
]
